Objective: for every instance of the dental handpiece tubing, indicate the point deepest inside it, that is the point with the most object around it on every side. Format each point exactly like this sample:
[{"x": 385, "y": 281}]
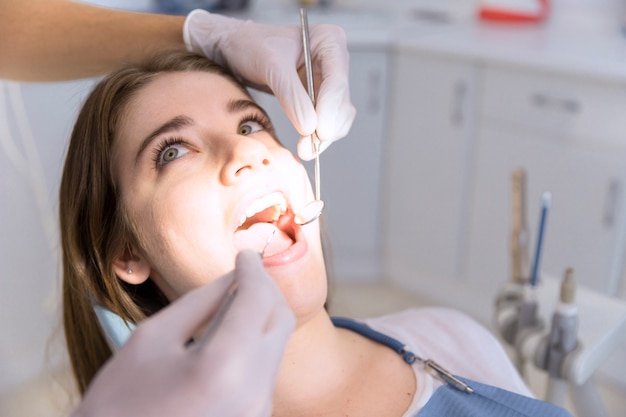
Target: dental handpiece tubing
[{"x": 546, "y": 201}]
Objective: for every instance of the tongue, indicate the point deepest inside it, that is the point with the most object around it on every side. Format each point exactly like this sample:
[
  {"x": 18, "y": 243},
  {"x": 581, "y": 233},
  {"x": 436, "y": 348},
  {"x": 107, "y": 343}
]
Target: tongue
[{"x": 256, "y": 236}]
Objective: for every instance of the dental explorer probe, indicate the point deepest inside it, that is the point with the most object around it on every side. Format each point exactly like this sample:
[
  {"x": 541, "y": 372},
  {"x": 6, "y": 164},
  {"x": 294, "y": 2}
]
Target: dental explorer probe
[
  {"x": 267, "y": 243},
  {"x": 312, "y": 210},
  {"x": 223, "y": 308}
]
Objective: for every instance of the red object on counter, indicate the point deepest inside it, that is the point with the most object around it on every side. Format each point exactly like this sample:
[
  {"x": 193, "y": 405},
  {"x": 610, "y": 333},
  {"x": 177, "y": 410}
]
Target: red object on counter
[{"x": 496, "y": 14}]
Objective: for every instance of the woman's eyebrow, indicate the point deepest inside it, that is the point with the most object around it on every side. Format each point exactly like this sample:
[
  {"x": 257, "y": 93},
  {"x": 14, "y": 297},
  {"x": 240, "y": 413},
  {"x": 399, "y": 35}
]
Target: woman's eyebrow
[
  {"x": 235, "y": 106},
  {"x": 174, "y": 124}
]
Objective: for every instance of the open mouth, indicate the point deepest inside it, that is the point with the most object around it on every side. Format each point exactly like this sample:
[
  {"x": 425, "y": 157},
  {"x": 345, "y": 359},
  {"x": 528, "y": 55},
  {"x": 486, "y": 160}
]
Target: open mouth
[
  {"x": 267, "y": 209},
  {"x": 267, "y": 216}
]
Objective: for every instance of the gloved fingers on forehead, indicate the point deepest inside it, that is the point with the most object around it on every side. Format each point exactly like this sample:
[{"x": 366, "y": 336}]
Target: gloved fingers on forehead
[
  {"x": 305, "y": 148},
  {"x": 329, "y": 55},
  {"x": 332, "y": 126},
  {"x": 335, "y": 112},
  {"x": 329, "y": 49},
  {"x": 281, "y": 52},
  {"x": 294, "y": 99}
]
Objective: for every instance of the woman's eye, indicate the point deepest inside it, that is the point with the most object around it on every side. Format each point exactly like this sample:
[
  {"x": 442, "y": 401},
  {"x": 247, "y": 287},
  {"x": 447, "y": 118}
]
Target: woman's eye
[
  {"x": 170, "y": 153},
  {"x": 249, "y": 128}
]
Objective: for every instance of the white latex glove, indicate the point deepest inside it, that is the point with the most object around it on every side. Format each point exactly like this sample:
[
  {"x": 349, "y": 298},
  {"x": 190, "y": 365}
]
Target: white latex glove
[
  {"x": 268, "y": 58},
  {"x": 230, "y": 374}
]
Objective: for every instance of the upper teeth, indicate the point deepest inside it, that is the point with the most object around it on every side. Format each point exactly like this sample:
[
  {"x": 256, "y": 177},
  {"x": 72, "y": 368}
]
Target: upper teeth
[{"x": 274, "y": 199}]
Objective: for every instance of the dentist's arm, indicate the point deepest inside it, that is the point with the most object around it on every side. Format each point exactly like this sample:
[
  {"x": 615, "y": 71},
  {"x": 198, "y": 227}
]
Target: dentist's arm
[
  {"x": 230, "y": 374},
  {"x": 52, "y": 40}
]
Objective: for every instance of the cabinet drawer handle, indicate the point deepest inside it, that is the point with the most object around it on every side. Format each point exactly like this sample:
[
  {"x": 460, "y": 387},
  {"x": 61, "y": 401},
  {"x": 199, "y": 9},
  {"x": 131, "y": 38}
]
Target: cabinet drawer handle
[
  {"x": 611, "y": 203},
  {"x": 373, "y": 100},
  {"x": 569, "y": 105},
  {"x": 457, "y": 112}
]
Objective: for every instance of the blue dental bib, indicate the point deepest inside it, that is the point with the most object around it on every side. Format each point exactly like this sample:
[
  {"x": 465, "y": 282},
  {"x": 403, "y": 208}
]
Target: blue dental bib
[{"x": 460, "y": 397}]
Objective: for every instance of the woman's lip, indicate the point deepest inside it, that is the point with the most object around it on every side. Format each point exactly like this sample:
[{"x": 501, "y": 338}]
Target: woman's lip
[{"x": 292, "y": 254}]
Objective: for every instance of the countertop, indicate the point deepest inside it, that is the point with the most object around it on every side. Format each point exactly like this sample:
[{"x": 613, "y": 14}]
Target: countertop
[{"x": 584, "y": 42}]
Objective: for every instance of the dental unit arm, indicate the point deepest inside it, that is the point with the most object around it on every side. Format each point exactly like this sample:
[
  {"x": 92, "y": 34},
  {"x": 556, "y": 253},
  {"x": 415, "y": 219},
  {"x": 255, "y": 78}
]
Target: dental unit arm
[{"x": 570, "y": 343}]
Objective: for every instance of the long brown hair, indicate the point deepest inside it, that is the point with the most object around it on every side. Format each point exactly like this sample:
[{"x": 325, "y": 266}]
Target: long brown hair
[{"x": 94, "y": 228}]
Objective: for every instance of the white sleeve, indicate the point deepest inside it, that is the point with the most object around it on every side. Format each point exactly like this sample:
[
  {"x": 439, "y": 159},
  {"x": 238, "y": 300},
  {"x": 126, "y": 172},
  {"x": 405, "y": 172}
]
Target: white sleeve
[{"x": 455, "y": 341}]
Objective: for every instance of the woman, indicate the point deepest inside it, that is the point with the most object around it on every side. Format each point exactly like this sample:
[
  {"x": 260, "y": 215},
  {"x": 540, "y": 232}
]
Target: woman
[
  {"x": 171, "y": 171},
  {"x": 51, "y": 40}
]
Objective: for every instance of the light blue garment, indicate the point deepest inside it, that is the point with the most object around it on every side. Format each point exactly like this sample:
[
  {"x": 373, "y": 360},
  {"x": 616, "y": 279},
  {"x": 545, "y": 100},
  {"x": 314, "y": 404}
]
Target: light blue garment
[
  {"x": 448, "y": 401},
  {"x": 486, "y": 401}
]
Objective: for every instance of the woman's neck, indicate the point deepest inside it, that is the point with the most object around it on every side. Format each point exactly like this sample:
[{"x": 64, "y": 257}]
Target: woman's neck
[{"x": 323, "y": 367}]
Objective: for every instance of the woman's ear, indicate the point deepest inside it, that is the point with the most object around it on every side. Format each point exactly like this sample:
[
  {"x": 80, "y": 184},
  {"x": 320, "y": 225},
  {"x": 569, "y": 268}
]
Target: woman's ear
[{"x": 131, "y": 267}]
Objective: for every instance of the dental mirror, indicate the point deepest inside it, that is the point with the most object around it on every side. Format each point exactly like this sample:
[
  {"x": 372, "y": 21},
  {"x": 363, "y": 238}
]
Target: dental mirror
[{"x": 312, "y": 210}]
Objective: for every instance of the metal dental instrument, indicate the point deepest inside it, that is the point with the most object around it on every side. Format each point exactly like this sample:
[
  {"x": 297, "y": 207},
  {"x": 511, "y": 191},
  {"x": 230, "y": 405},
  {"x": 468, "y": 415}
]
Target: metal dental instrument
[
  {"x": 312, "y": 210},
  {"x": 447, "y": 377},
  {"x": 267, "y": 242},
  {"x": 223, "y": 308}
]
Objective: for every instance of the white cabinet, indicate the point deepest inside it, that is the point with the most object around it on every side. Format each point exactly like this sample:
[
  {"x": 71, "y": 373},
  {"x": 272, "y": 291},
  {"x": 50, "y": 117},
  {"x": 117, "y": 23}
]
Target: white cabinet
[
  {"x": 459, "y": 127},
  {"x": 569, "y": 135},
  {"x": 351, "y": 168},
  {"x": 428, "y": 150}
]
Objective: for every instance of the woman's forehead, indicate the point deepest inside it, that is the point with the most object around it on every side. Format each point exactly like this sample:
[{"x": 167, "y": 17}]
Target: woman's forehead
[
  {"x": 180, "y": 93},
  {"x": 189, "y": 84}
]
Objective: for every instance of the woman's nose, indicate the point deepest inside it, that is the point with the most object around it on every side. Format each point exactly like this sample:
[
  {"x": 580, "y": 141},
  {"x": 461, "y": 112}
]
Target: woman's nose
[{"x": 244, "y": 156}]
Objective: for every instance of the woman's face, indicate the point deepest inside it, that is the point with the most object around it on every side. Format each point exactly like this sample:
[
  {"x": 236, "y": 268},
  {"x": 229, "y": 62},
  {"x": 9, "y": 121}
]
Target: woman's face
[{"x": 200, "y": 178}]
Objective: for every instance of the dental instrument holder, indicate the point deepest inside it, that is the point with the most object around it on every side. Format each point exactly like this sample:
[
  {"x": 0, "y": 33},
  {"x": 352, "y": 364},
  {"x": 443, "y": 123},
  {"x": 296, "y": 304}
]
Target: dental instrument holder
[
  {"x": 561, "y": 340},
  {"x": 527, "y": 319},
  {"x": 585, "y": 343},
  {"x": 601, "y": 330},
  {"x": 517, "y": 319}
]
